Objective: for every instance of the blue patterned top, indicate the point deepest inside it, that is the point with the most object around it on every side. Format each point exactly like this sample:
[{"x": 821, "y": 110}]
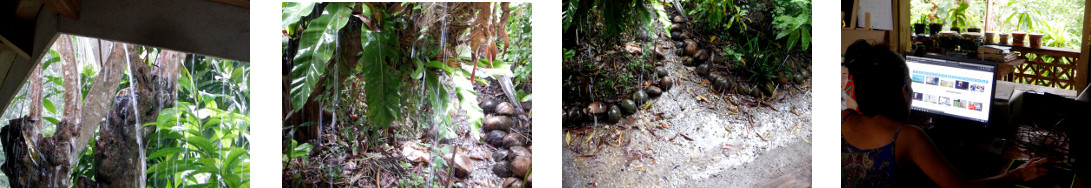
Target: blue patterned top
[{"x": 867, "y": 168}]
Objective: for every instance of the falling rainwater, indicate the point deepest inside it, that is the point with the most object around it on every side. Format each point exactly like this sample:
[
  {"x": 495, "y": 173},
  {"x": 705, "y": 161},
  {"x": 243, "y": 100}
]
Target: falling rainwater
[
  {"x": 136, "y": 116},
  {"x": 443, "y": 55}
]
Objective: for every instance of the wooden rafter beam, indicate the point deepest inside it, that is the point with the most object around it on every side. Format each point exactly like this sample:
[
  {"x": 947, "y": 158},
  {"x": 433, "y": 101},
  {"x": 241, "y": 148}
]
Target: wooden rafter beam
[
  {"x": 28, "y": 9},
  {"x": 239, "y": 3},
  {"x": 68, "y": 8}
]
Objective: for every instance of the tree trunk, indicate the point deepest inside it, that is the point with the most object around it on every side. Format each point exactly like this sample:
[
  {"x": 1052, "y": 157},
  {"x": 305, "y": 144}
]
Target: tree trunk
[
  {"x": 37, "y": 161},
  {"x": 119, "y": 156}
]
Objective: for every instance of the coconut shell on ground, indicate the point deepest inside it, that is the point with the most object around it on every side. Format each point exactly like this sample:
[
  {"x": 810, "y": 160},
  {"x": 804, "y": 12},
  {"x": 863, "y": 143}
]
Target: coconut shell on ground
[
  {"x": 640, "y": 97},
  {"x": 768, "y": 88},
  {"x": 783, "y": 80},
  {"x": 614, "y": 115},
  {"x": 501, "y": 169},
  {"x": 666, "y": 83},
  {"x": 520, "y": 165},
  {"x": 596, "y": 108},
  {"x": 518, "y": 150},
  {"x": 628, "y": 106},
  {"x": 721, "y": 84},
  {"x": 755, "y": 91},
  {"x": 488, "y": 106},
  {"x": 654, "y": 91},
  {"x": 701, "y": 55},
  {"x": 501, "y": 154},
  {"x": 505, "y": 108},
  {"x": 691, "y": 47},
  {"x": 702, "y": 70},
  {"x": 513, "y": 183},
  {"x": 493, "y": 122},
  {"x": 680, "y": 35},
  {"x": 514, "y": 139},
  {"x": 574, "y": 115},
  {"x": 661, "y": 71},
  {"x": 495, "y": 138},
  {"x": 687, "y": 61}
]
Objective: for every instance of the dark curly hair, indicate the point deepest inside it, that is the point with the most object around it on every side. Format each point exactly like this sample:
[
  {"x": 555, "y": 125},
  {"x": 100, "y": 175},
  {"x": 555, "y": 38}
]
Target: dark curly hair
[{"x": 879, "y": 76}]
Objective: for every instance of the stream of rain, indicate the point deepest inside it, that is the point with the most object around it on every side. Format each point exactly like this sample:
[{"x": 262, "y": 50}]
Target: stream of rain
[{"x": 136, "y": 116}]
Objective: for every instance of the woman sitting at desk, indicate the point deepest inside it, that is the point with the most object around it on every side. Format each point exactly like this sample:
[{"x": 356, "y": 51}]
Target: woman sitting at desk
[{"x": 875, "y": 140}]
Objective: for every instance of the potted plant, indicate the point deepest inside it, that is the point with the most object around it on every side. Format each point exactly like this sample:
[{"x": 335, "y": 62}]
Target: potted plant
[
  {"x": 919, "y": 26},
  {"x": 957, "y": 16},
  {"x": 1017, "y": 38},
  {"x": 1035, "y": 40}
]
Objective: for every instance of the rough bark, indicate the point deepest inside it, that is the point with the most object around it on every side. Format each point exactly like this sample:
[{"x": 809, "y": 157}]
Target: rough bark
[
  {"x": 119, "y": 160},
  {"x": 71, "y": 77},
  {"x": 48, "y": 161}
]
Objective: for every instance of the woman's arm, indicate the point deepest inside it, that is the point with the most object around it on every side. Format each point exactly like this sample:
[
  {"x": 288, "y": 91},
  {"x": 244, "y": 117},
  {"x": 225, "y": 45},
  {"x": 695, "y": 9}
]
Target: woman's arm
[{"x": 923, "y": 152}]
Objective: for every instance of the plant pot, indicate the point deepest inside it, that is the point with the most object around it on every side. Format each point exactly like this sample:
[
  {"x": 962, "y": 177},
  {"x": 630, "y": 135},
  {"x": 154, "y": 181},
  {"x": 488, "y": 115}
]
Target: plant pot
[
  {"x": 1017, "y": 38},
  {"x": 969, "y": 42},
  {"x": 919, "y": 28},
  {"x": 948, "y": 40},
  {"x": 1036, "y": 40},
  {"x": 934, "y": 28},
  {"x": 973, "y": 30},
  {"x": 989, "y": 37},
  {"x": 956, "y": 29},
  {"x": 1003, "y": 38}
]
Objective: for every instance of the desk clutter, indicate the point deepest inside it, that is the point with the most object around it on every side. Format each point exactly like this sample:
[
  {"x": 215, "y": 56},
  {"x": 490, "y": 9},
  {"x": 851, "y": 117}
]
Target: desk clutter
[
  {"x": 1048, "y": 125},
  {"x": 995, "y": 53}
]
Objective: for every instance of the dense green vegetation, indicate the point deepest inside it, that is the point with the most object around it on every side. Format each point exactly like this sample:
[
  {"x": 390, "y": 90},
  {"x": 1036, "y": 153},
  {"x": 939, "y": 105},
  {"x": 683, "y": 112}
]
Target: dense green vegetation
[
  {"x": 1060, "y": 20},
  {"x": 205, "y": 138},
  {"x": 422, "y": 68},
  {"x": 753, "y": 39},
  {"x": 202, "y": 141}
]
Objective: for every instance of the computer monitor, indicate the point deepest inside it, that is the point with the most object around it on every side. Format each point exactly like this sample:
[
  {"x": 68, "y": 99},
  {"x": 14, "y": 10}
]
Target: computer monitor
[{"x": 951, "y": 87}]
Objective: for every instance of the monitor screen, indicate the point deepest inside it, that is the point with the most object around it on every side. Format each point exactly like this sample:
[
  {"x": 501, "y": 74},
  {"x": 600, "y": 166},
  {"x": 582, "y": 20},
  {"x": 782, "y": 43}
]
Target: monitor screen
[{"x": 956, "y": 88}]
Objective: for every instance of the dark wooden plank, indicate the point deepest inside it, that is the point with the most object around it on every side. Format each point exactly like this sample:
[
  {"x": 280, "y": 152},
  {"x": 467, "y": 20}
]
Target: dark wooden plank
[
  {"x": 240, "y": 3},
  {"x": 68, "y": 8},
  {"x": 28, "y": 9}
]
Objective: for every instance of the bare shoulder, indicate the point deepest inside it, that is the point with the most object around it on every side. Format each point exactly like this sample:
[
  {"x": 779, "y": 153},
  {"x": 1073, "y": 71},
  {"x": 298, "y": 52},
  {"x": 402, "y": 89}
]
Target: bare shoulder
[{"x": 912, "y": 135}]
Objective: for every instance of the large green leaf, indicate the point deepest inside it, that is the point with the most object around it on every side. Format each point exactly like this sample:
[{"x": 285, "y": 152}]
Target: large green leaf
[
  {"x": 437, "y": 96},
  {"x": 383, "y": 80},
  {"x": 293, "y": 11},
  {"x": 316, "y": 46},
  {"x": 467, "y": 97},
  {"x": 165, "y": 152}
]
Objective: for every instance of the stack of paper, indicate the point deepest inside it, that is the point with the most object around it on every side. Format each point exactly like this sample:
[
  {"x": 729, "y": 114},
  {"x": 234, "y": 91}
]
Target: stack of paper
[{"x": 995, "y": 53}]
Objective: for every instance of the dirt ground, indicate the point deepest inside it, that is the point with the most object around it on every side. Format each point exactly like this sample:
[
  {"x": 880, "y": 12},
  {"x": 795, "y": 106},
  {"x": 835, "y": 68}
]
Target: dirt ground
[{"x": 692, "y": 136}]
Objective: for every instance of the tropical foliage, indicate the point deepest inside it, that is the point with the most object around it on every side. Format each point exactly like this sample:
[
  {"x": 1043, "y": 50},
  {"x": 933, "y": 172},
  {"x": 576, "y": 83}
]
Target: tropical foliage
[
  {"x": 205, "y": 138},
  {"x": 1060, "y": 20},
  {"x": 419, "y": 70},
  {"x": 202, "y": 141},
  {"x": 394, "y": 74},
  {"x": 793, "y": 19}
]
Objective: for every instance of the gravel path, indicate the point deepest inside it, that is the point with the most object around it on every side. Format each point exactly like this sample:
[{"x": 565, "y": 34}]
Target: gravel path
[{"x": 691, "y": 136}]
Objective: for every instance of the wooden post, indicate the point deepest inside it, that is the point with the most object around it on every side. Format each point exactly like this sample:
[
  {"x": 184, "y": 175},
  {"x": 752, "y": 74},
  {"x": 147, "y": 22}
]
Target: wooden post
[
  {"x": 902, "y": 26},
  {"x": 1081, "y": 65},
  {"x": 855, "y": 6}
]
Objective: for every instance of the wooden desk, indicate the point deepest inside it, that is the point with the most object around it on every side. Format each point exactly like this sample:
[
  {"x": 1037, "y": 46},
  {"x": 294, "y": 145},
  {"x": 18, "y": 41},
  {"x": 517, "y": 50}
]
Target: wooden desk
[{"x": 1005, "y": 70}]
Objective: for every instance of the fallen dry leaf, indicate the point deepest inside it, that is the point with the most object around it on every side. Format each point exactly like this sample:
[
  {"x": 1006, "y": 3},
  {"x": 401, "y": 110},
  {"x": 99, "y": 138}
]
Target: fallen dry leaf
[{"x": 415, "y": 153}]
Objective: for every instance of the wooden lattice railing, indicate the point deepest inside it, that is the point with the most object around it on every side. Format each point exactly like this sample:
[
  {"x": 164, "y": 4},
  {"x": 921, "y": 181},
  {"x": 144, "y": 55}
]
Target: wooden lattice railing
[{"x": 1047, "y": 66}]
